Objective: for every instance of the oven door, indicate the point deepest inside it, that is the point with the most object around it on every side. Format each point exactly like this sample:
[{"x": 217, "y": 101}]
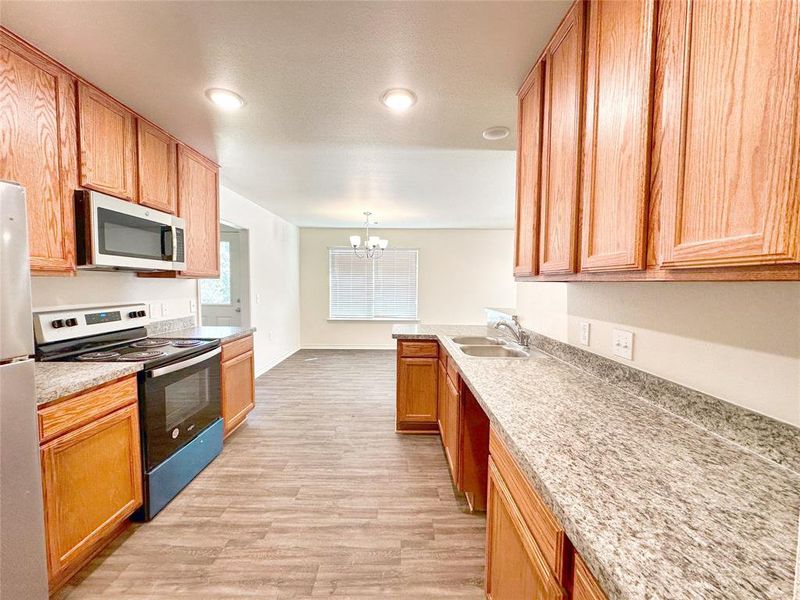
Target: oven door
[
  {"x": 177, "y": 402},
  {"x": 129, "y": 236}
]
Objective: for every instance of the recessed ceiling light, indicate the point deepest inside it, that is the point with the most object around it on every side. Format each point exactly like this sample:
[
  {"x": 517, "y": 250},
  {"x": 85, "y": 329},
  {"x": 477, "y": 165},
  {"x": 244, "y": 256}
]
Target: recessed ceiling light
[
  {"x": 496, "y": 133},
  {"x": 399, "y": 99},
  {"x": 225, "y": 98}
]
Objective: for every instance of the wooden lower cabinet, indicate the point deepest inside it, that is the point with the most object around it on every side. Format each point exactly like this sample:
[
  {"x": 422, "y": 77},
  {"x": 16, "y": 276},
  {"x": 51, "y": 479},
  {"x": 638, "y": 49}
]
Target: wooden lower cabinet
[
  {"x": 92, "y": 483},
  {"x": 441, "y": 398},
  {"x": 584, "y": 586},
  {"x": 515, "y": 567},
  {"x": 450, "y": 437},
  {"x": 238, "y": 383},
  {"x": 417, "y": 387}
]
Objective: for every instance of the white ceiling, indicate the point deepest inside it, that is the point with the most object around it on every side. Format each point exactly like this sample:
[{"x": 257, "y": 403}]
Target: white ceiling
[{"x": 313, "y": 144}]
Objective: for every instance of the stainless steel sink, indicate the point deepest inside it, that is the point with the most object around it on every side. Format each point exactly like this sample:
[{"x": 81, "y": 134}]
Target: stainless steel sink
[
  {"x": 494, "y": 351},
  {"x": 477, "y": 340}
]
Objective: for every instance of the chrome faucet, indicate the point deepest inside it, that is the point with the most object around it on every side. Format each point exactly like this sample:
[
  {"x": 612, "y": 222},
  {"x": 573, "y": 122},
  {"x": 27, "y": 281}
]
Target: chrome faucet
[{"x": 520, "y": 335}]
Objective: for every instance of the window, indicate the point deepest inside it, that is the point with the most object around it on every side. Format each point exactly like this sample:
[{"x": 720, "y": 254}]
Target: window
[
  {"x": 367, "y": 289},
  {"x": 218, "y": 291}
]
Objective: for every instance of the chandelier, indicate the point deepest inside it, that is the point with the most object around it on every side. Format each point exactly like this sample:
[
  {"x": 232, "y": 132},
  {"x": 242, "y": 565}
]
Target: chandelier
[{"x": 373, "y": 245}]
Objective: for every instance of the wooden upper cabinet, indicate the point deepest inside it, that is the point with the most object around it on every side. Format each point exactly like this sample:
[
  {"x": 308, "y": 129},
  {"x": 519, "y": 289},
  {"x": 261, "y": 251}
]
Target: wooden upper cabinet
[
  {"x": 38, "y": 150},
  {"x": 198, "y": 204},
  {"x": 107, "y": 134},
  {"x": 616, "y": 167},
  {"x": 158, "y": 167},
  {"x": 730, "y": 152},
  {"x": 562, "y": 145},
  {"x": 529, "y": 171}
]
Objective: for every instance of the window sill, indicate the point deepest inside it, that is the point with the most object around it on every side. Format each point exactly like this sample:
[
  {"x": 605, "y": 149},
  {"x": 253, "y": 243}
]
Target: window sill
[{"x": 374, "y": 320}]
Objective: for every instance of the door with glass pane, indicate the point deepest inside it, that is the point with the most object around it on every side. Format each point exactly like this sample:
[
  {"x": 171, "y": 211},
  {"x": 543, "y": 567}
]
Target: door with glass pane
[{"x": 221, "y": 299}]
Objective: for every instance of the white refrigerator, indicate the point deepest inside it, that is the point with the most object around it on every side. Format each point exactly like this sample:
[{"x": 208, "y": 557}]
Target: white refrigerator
[{"x": 23, "y": 566}]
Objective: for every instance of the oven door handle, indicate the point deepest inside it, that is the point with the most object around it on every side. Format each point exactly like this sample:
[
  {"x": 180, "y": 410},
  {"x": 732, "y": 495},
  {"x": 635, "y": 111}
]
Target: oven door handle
[{"x": 183, "y": 364}]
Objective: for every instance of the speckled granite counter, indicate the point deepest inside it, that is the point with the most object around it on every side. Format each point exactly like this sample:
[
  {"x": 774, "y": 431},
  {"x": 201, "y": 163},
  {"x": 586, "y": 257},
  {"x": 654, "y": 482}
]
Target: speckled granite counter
[
  {"x": 58, "y": 379},
  {"x": 211, "y": 332},
  {"x": 658, "y": 507}
]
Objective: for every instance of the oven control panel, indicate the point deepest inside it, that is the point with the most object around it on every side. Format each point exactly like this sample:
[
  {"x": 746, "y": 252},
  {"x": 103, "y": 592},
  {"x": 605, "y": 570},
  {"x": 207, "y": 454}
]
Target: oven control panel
[{"x": 68, "y": 324}]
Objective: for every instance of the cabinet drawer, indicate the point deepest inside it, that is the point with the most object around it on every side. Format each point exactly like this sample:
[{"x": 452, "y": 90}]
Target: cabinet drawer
[
  {"x": 66, "y": 415},
  {"x": 237, "y": 347},
  {"x": 418, "y": 349},
  {"x": 543, "y": 525}
]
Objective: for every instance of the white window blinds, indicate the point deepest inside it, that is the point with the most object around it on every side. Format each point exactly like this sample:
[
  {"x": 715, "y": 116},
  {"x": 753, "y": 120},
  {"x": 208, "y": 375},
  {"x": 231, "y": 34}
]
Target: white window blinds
[{"x": 363, "y": 288}]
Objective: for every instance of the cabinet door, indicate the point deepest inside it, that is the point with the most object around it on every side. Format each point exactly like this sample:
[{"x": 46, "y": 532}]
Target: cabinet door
[
  {"x": 441, "y": 399},
  {"x": 92, "y": 483},
  {"x": 529, "y": 171},
  {"x": 38, "y": 150},
  {"x": 198, "y": 203},
  {"x": 584, "y": 586},
  {"x": 616, "y": 166},
  {"x": 416, "y": 392},
  {"x": 107, "y": 143},
  {"x": 452, "y": 421},
  {"x": 515, "y": 568},
  {"x": 158, "y": 168},
  {"x": 731, "y": 158},
  {"x": 561, "y": 146},
  {"x": 238, "y": 390}
]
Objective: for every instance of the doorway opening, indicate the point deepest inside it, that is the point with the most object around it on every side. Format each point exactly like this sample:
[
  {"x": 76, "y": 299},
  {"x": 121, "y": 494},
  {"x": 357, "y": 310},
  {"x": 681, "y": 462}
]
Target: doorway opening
[{"x": 226, "y": 301}]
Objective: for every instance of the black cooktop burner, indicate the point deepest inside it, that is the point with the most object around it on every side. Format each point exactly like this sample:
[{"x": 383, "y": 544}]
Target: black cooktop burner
[
  {"x": 100, "y": 356},
  {"x": 142, "y": 355},
  {"x": 150, "y": 343},
  {"x": 186, "y": 343}
]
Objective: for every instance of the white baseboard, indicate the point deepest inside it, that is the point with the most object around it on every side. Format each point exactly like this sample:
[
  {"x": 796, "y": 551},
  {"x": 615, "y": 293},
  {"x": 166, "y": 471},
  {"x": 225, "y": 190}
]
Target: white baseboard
[
  {"x": 348, "y": 347},
  {"x": 275, "y": 362}
]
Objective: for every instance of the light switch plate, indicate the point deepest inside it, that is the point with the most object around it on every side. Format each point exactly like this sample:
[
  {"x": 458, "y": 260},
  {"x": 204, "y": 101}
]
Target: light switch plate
[
  {"x": 622, "y": 343},
  {"x": 585, "y": 327}
]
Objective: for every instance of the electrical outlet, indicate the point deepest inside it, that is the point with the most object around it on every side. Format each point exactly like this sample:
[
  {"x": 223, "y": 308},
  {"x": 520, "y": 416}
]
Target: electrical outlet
[
  {"x": 269, "y": 336},
  {"x": 258, "y": 298},
  {"x": 164, "y": 309},
  {"x": 585, "y": 326},
  {"x": 153, "y": 310},
  {"x": 192, "y": 306},
  {"x": 622, "y": 343}
]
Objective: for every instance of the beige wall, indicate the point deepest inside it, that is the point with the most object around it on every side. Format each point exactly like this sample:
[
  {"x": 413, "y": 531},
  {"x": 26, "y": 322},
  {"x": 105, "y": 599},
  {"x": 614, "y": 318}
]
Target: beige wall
[
  {"x": 460, "y": 272},
  {"x": 274, "y": 277},
  {"x": 96, "y": 287},
  {"x": 737, "y": 341}
]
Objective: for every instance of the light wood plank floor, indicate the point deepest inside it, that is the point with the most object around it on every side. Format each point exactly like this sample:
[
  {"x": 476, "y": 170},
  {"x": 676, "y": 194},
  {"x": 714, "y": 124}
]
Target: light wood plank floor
[{"x": 315, "y": 496}]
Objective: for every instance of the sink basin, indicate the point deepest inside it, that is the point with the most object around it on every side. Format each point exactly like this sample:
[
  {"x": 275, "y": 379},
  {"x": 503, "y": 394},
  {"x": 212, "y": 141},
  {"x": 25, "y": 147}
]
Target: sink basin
[
  {"x": 477, "y": 340},
  {"x": 494, "y": 351}
]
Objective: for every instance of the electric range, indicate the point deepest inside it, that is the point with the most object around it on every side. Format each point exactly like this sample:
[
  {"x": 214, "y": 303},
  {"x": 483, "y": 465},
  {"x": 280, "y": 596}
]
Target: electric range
[{"x": 178, "y": 387}]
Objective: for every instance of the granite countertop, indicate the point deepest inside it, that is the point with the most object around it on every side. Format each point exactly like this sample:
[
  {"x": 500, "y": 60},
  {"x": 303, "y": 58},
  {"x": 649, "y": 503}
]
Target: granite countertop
[
  {"x": 210, "y": 332},
  {"x": 58, "y": 379},
  {"x": 658, "y": 507}
]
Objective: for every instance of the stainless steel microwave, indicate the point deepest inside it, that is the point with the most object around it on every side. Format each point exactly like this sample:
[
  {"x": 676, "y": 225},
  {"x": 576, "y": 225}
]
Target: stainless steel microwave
[{"x": 113, "y": 234}]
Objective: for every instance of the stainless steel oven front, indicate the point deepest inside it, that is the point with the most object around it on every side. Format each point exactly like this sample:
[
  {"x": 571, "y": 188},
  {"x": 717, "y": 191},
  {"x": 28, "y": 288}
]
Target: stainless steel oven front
[
  {"x": 177, "y": 402},
  {"x": 113, "y": 234}
]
